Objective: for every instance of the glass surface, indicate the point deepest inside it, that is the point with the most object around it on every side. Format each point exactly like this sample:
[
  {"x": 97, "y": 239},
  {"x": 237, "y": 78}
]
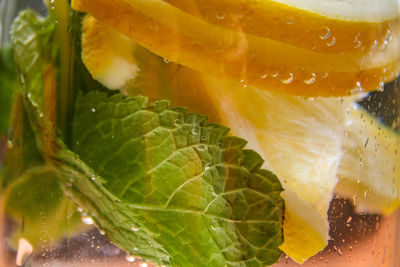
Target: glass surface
[{"x": 356, "y": 238}]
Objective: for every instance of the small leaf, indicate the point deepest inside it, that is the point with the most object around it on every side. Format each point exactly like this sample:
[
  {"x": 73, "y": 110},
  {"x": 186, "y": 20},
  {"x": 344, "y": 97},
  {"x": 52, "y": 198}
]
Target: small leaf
[{"x": 194, "y": 198}]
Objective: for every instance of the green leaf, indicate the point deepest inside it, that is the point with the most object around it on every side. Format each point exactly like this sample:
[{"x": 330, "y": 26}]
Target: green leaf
[
  {"x": 31, "y": 194},
  {"x": 8, "y": 84},
  {"x": 169, "y": 188},
  {"x": 31, "y": 37}
]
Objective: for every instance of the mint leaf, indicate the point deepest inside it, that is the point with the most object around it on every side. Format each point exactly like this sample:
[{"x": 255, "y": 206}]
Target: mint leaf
[
  {"x": 31, "y": 37},
  {"x": 8, "y": 83},
  {"x": 31, "y": 194},
  {"x": 169, "y": 188}
]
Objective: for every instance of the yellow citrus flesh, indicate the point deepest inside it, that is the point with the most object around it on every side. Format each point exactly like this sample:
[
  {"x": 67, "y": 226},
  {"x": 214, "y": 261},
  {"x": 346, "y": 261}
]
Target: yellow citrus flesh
[
  {"x": 266, "y": 63},
  {"x": 103, "y": 50},
  {"x": 308, "y": 143},
  {"x": 370, "y": 169}
]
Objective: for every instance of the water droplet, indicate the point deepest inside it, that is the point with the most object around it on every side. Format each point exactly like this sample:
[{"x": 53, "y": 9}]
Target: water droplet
[
  {"x": 207, "y": 167},
  {"x": 324, "y": 33},
  {"x": 312, "y": 79},
  {"x": 10, "y": 138},
  {"x": 381, "y": 87},
  {"x": 87, "y": 220},
  {"x": 274, "y": 74},
  {"x": 130, "y": 258},
  {"x": 195, "y": 130},
  {"x": 177, "y": 122},
  {"x": 349, "y": 219},
  {"x": 216, "y": 225},
  {"x": 79, "y": 209},
  {"x": 24, "y": 252},
  {"x": 93, "y": 110},
  {"x": 388, "y": 38},
  {"x": 133, "y": 227},
  {"x": 101, "y": 232},
  {"x": 264, "y": 76},
  {"x": 358, "y": 44},
  {"x": 135, "y": 249},
  {"x": 287, "y": 80},
  {"x": 166, "y": 60},
  {"x": 358, "y": 89},
  {"x": 332, "y": 42},
  {"x": 144, "y": 264},
  {"x": 290, "y": 20},
  {"x": 361, "y": 161},
  {"x": 243, "y": 83},
  {"x": 325, "y": 75},
  {"x": 202, "y": 147},
  {"x": 220, "y": 16},
  {"x": 358, "y": 180},
  {"x": 203, "y": 138}
]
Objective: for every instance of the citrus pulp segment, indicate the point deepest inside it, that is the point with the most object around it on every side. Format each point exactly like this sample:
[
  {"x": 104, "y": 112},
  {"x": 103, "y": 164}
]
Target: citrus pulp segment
[
  {"x": 236, "y": 55},
  {"x": 370, "y": 168}
]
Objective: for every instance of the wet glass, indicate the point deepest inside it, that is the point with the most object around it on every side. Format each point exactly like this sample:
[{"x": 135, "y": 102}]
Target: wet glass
[{"x": 357, "y": 238}]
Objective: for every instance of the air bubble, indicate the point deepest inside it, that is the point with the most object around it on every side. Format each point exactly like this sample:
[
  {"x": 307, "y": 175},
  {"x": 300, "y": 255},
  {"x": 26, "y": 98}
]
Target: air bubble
[
  {"x": 311, "y": 80},
  {"x": 195, "y": 130},
  {"x": 274, "y": 74},
  {"x": 202, "y": 147},
  {"x": 332, "y": 42},
  {"x": 10, "y": 138},
  {"x": 381, "y": 87},
  {"x": 177, "y": 122},
  {"x": 358, "y": 44},
  {"x": 216, "y": 225},
  {"x": 358, "y": 89},
  {"x": 324, "y": 33},
  {"x": 220, "y": 16},
  {"x": 290, "y": 20},
  {"x": 288, "y": 79},
  {"x": 93, "y": 110},
  {"x": 207, "y": 167},
  {"x": 130, "y": 258},
  {"x": 87, "y": 220}
]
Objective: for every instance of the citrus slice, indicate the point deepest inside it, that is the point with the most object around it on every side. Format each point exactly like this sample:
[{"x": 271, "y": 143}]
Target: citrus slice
[
  {"x": 263, "y": 62},
  {"x": 356, "y": 26},
  {"x": 308, "y": 143},
  {"x": 370, "y": 168},
  {"x": 104, "y": 50}
]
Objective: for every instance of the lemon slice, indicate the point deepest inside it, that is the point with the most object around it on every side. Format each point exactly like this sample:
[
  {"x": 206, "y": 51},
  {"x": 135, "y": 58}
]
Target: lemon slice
[
  {"x": 370, "y": 168},
  {"x": 308, "y": 142},
  {"x": 104, "y": 51},
  {"x": 273, "y": 64},
  {"x": 312, "y": 24}
]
